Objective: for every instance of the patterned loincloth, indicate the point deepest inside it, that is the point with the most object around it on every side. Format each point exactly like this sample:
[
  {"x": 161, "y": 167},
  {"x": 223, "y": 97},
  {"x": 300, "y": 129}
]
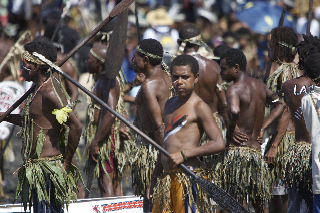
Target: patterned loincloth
[{"x": 176, "y": 192}]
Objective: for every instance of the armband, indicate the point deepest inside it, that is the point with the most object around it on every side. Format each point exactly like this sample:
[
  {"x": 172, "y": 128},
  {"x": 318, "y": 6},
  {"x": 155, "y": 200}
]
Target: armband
[{"x": 183, "y": 155}]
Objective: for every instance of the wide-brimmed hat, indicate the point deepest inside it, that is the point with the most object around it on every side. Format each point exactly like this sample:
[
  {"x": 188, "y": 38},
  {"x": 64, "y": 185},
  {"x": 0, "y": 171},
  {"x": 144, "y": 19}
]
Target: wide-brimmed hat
[{"x": 159, "y": 17}]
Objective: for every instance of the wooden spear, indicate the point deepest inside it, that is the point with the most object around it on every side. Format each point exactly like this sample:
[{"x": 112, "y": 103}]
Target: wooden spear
[{"x": 116, "y": 11}]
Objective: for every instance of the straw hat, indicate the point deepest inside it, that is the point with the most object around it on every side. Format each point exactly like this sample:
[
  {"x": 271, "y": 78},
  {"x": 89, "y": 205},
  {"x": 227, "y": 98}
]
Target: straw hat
[{"x": 159, "y": 17}]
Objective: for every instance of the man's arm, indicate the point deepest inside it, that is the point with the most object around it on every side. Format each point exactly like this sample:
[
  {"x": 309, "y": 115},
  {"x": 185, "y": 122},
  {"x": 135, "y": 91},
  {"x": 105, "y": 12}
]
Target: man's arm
[
  {"x": 72, "y": 89},
  {"x": 279, "y": 107},
  {"x": 13, "y": 118},
  {"x": 106, "y": 120},
  {"x": 223, "y": 106},
  {"x": 270, "y": 156},
  {"x": 73, "y": 123},
  {"x": 149, "y": 90},
  {"x": 213, "y": 146}
]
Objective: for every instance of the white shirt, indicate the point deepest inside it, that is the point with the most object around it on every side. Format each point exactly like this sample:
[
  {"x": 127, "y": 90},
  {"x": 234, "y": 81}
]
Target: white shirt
[{"x": 312, "y": 121}]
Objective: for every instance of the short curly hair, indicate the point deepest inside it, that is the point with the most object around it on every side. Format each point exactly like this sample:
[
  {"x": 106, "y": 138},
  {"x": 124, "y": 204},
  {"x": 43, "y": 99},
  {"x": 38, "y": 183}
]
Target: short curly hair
[
  {"x": 44, "y": 48},
  {"x": 309, "y": 45},
  {"x": 186, "y": 60},
  {"x": 312, "y": 65},
  {"x": 233, "y": 57},
  {"x": 151, "y": 46},
  {"x": 284, "y": 35}
]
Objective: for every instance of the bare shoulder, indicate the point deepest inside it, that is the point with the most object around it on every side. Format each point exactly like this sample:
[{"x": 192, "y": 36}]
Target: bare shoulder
[{"x": 50, "y": 94}]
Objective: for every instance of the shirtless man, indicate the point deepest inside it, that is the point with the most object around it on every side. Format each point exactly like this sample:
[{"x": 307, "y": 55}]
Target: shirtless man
[
  {"x": 246, "y": 100},
  {"x": 299, "y": 153},
  {"x": 282, "y": 53},
  {"x": 42, "y": 147},
  {"x": 209, "y": 75},
  {"x": 187, "y": 117},
  {"x": 101, "y": 125},
  {"x": 150, "y": 101}
]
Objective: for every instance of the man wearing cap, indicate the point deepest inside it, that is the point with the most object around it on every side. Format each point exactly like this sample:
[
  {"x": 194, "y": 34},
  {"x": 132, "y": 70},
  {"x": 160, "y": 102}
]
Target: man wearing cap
[{"x": 209, "y": 79}]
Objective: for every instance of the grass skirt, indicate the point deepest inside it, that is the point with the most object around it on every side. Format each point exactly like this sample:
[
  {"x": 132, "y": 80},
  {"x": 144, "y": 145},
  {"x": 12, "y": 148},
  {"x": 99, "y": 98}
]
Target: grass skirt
[
  {"x": 242, "y": 171},
  {"x": 209, "y": 161},
  {"x": 297, "y": 168},
  {"x": 35, "y": 173},
  {"x": 276, "y": 168},
  {"x": 143, "y": 167},
  {"x": 176, "y": 192}
]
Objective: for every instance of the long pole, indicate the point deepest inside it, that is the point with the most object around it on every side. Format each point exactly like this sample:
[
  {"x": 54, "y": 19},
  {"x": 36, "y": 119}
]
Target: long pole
[
  {"x": 116, "y": 11},
  {"x": 309, "y": 17}
]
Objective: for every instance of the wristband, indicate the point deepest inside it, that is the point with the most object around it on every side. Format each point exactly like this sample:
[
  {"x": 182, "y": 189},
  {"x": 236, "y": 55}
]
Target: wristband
[{"x": 183, "y": 155}]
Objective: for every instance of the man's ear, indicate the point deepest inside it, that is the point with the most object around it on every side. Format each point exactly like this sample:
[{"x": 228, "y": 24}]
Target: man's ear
[
  {"x": 146, "y": 59},
  {"x": 196, "y": 78},
  {"x": 237, "y": 67}
]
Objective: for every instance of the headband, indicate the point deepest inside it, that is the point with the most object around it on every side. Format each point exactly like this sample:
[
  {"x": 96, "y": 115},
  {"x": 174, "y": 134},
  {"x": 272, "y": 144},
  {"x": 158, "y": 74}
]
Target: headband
[
  {"x": 194, "y": 40},
  {"x": 96, "y": 56},
  {"x": 166, "y": 67},
  {"x": 146, "y": 53},
  {"x": 293, "y": 49},
  {"x": 28, "y": 57},
  {"x": 106, "y": 34}
]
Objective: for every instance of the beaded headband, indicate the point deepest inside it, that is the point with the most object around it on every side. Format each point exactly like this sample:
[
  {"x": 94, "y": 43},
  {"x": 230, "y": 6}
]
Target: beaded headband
[
  {"x": 104, "y": 35},
  {"x": 194, "y": 40},
  {"x": 96, "y": 55},
  {"x": 293, "y": 49},
  {"x": 146, "y": 53},
  {"x": 28, "y": 57},
  {"x": 166, "y": 67}
]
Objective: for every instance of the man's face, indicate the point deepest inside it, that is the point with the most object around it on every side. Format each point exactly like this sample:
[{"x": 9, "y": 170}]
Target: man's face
[
  {"x": 91, "y": 64},
  {"x": 28, "y": 70},
  {"x": 226, "y": 71},
  {"x": 183, "y": 80},
  {"x": 137, "y": 63}
]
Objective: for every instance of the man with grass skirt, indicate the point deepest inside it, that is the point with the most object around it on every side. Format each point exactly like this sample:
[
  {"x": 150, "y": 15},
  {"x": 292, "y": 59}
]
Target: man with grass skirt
[
  {"x": 103, "y": 128},
  {"x": 187, "y": 117},
  {"x": 208, "y": 87},
  {"x": 242, "y": 169},
  {"x": 45, "y": 177},
  {"x": 297, "y": 167},
  {"x": 150, "y": 101},
  {"x": 282, "y": 54}
]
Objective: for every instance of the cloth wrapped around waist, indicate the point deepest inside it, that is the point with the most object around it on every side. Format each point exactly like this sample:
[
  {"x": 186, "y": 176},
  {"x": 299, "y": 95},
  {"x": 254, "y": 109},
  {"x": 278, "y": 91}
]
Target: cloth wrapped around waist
[{"x": 177, "y": 192}]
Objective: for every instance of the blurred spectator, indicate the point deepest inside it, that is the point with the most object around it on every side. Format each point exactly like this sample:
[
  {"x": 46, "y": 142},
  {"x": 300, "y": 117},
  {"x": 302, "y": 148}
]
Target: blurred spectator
[{"x": 161, "y": 31}]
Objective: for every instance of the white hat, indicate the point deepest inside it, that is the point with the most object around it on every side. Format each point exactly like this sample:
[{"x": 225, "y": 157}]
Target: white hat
[{"x": 159, "y": 17}]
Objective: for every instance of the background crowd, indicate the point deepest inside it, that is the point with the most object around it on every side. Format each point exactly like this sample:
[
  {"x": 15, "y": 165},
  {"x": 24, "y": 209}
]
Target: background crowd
[{"x": 237, "y": 23}]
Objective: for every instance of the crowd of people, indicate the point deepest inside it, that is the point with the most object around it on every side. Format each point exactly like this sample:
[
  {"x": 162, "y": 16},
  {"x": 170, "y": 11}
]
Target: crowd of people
[{"x": 192, "y": 78}]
